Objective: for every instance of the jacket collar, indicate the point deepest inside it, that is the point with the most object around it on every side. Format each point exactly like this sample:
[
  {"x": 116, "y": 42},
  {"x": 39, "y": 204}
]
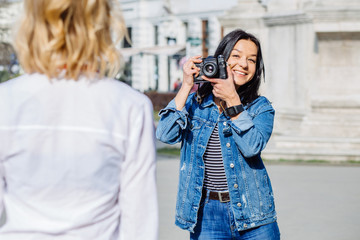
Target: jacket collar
[{"x": 208, "y": 101}]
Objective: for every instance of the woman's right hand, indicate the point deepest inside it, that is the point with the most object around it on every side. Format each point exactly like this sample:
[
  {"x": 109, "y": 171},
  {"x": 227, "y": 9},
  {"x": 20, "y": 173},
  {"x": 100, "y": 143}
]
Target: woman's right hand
[{"x": 190, "y": 69}]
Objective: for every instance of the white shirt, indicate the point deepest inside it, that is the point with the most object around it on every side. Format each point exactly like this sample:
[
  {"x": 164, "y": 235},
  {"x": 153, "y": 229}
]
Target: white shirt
[{"x": 77, "y": 160}]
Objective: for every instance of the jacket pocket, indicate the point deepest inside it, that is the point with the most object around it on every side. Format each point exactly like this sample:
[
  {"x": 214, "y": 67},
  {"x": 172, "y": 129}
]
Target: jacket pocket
[
  {"x": 195, "y": 124},
  {"x": 269, "y": 195}
]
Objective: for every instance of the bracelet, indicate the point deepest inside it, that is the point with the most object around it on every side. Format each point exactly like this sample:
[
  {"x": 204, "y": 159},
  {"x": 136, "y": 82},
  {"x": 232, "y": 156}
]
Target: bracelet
[{"x": 234, "y": 110}]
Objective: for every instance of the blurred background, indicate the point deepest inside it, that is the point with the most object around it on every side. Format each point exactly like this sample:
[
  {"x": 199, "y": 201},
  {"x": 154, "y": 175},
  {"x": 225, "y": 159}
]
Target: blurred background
[{"x": 311, "y": 51}]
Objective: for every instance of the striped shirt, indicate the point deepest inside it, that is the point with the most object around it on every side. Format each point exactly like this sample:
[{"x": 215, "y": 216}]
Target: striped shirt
[{"x": 215, "y": 178}]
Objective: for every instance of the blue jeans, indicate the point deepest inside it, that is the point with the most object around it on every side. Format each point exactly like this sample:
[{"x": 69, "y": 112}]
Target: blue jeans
[{"x": 216, "y": 222}]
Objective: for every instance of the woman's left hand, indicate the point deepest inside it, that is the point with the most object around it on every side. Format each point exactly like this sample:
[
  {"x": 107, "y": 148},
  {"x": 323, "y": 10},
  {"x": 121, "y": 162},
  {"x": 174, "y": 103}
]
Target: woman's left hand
[{"x": 225, "y": 89}]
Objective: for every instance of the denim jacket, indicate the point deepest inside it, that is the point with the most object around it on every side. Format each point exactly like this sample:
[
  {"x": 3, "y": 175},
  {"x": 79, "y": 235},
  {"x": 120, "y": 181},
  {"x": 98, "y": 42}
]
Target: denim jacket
[{"x": 242, "y": 140}]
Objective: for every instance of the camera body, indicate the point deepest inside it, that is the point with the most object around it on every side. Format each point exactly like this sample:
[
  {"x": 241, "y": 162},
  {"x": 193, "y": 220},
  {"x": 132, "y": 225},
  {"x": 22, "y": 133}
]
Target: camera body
[{"x": 211, "y": 67}]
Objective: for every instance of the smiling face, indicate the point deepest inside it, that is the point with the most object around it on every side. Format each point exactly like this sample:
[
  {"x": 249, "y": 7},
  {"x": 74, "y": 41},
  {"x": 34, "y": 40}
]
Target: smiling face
[{"x": 242, "y": 61}]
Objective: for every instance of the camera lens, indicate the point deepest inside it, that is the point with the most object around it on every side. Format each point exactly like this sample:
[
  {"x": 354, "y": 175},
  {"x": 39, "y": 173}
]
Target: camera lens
[{"x": 210, "y": 69}]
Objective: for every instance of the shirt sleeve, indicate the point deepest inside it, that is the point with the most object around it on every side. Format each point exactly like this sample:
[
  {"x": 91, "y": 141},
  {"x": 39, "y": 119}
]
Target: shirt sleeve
[
  {"x": 2, "y": 171},
  {"x": 2, "y": 189},
  {"x": 138, "y": 192}
]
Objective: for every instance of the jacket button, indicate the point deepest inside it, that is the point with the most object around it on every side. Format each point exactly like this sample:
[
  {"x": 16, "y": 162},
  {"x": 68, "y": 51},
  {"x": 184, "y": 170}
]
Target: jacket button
[
  {"x": 239, "y": 204},
  {"x": 228, "y": 144},
  {"x": 235, "y": 185},
  {"x": 231, "y": 165},
  {"x": 224, "y": 123},
  {"x": 245, "y": 225}
]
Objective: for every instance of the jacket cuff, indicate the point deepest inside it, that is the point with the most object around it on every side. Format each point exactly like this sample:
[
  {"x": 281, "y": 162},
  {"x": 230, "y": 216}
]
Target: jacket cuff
[
  {"x": 243, "y": 122},
  {"x": 180, "y": 116}
]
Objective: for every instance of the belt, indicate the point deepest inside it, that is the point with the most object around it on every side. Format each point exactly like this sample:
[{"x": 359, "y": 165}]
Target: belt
[{"x": 221, "y": 196}]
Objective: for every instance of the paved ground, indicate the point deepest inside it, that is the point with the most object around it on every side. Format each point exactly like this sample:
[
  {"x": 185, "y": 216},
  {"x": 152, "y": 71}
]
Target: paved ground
[{"x": 314, "y": 202}]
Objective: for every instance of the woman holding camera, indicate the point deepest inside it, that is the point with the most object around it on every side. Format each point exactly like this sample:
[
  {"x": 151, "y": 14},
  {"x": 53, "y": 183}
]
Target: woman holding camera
[{"x": 224, "y": 190}]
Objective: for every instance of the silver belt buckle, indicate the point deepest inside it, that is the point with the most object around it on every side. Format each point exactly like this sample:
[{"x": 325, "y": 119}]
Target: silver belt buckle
[{"x": 221, "y": 200}]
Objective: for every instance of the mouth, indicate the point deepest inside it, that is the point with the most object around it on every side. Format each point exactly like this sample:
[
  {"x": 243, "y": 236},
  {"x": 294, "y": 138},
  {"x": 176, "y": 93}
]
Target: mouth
[{"x": 239, "y": 73}]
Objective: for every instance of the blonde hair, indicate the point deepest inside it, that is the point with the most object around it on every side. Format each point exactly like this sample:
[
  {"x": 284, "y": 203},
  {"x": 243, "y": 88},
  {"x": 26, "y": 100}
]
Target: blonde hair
[{"x": 75, "y": 35}]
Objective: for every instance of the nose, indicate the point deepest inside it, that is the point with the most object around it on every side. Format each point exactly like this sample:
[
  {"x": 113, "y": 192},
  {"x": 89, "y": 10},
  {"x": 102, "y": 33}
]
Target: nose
[{"x": 243, "y": 62}]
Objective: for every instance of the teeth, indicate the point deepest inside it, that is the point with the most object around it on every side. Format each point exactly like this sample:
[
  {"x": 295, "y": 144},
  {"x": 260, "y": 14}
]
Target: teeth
[{"x": 240, "y": 72}]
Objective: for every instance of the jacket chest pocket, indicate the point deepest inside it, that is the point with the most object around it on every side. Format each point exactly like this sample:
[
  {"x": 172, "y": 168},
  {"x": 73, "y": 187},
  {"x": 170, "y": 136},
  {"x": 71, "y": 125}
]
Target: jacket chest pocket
[
  {"x": 195, "y": 125},
  {"x": 193, "y": 131}
]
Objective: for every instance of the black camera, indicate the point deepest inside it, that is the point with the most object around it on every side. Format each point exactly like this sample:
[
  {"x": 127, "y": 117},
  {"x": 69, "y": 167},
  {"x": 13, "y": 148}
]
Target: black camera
[{"x": 211, "y": 67}]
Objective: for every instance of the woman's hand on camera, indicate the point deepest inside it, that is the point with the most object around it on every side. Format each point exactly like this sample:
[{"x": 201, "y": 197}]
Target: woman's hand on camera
[
  {"x": 225, "y": 89},
  {"x": 190, "y": 69}
]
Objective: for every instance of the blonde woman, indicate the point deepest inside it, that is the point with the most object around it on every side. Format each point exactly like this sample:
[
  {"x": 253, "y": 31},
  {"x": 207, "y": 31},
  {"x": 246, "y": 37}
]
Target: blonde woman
[{"x": 77, "y": 153}]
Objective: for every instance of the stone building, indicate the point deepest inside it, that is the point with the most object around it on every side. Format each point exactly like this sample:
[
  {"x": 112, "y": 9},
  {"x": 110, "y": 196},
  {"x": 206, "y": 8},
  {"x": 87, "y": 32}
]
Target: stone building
[
  {"x": 163, "y": 32},
  {"x": 9, "y": 11}
]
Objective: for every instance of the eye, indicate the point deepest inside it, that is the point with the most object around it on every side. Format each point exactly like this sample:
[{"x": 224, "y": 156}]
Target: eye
[
  {"x": 252, "y": 60},
  {"x": 235, "y": 55}
]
